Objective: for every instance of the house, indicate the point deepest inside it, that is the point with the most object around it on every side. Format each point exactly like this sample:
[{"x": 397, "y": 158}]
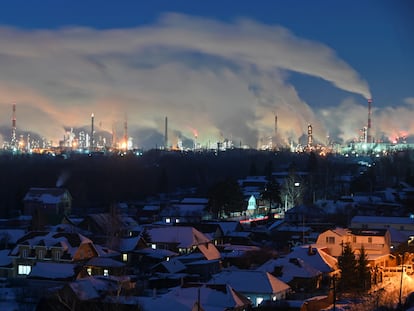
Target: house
[
  {"x": 403, "y": 224},
  {"x": 47, "y": 206},
  {"x": 182, "y": 240},
  {"x": 212, "y": 230},
  {"x": 255, "y": 285},
  {"x": 105, "y": 266},
  {"x": 59, "y": 247},
  {"x": 54, "y": 271},
  {"x": 188, "y": 210},
  {"x": 374, "y": 241},
  {"x": 104, "y": 226},
  {"x": 295, "y": 272},
  {"x": 306, "y": 268},
  {"x": 198, "y": 296},
  {"x": 92, "y": 292}
]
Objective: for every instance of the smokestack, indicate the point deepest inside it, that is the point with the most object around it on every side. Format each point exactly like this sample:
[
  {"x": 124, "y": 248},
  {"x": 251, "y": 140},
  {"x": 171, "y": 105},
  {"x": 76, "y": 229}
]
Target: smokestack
[
  {"x": 126, "y": 132},
  {"x": 92, "y": 143},
  {"x": 166, "y": 134},
  {"x": 369, "y": 138},
  {"x": 310, "y": 137},
  {"x": 13, "y": 134}
]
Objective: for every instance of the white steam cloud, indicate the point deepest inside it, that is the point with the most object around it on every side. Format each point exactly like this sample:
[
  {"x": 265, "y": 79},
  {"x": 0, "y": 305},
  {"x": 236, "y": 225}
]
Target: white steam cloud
[{"x": 223, "y": 80}]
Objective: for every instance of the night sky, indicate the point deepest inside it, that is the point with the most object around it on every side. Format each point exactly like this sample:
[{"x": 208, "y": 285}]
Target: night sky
[{"x": 217, "y": 69}]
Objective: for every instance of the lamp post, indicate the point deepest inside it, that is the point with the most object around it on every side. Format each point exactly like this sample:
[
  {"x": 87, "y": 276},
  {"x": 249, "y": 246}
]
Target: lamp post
[{"x": 401, "y": 283}]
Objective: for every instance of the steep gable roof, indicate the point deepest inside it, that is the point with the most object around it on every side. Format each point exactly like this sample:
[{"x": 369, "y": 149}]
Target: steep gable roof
[
  {"x": 184, "y": 237},
  {"x": 250, "y": 281},
  {"x": 46, "y": 195}
]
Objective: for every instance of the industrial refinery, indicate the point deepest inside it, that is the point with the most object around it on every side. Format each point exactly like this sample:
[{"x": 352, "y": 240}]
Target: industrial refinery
[{"x": 83, "y": 140}]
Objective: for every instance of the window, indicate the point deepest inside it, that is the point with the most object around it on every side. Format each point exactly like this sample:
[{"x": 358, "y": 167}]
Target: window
[
  {"x": 154, "y": 246},
  {"x": 258, "y": 300},
  {"x": 177, "y": 220},
  {"x": 330, "y": 240},
  {"x": 25, "y": 252},
  {"x": 106, "y": 272},
  {"x": 40, "y": 254},
  {"x": 89, "y": 270},
  {"x": 124, "y": 257},
  {"x": 354, "y": 239},
  {"x": 24, "y": 269},
  {"x": 369, "y": 239},
  {"x": 167, "y": 220},
  {"x": 56, "y": 255}
]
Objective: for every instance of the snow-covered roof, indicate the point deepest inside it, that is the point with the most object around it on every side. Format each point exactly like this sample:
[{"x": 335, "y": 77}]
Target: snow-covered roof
[
  {"x": 183, "y": 210},
  {"x": 250, "y": 281},
  {"x": 128, "y": 244},
  {"x": 13, "y": 235},
  {"x": 51, "y": 270},
  {"x": 217, "y": 297},
  {"x": 156, "y": 253},
  {"x": 46, "y": 195},
  {"x": 104, "y": 262},
  {"x": 397, "y": 236},
  {"x": 209, "y": 251},
  {"x": 69, "y": 242},
  {"x": 291, "y": 268},
  {"x": 382, "y": 220},
  {"x": 172, "y": 266},
  {"x": 228, "y": 226},
  {"x": 5, "y": 260},
  {"x": 317, "y": 258},
  {"x": 184, "y": 237}
]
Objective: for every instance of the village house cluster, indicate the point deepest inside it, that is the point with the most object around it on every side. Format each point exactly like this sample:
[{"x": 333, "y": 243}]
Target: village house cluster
[{"x": 172, "y": 254}]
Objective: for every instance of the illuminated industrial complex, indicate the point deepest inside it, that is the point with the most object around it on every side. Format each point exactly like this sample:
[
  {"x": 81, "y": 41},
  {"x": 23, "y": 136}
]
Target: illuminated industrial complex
[{"x": 86, "y": 141}]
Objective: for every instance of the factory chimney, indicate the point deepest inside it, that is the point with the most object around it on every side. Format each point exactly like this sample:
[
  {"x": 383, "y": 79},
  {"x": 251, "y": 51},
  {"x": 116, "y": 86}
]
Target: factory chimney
[
  {"x": 166, "y": 134},
  {"x": 369, "y": 138},
  {"x": 310, "y": 137},
  {"x": 13, "y": 134},
  {"x": 126, "y": 132},
  {"x": 92, "y": 142}
]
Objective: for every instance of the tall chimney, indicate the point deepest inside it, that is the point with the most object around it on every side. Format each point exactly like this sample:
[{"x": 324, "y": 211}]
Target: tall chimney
[
  {"x": 92, "y": 142},
  {"x": 369, "y": 138},
  {"x": 166, "y": 134},
  {"x": 13, "y": 134}
]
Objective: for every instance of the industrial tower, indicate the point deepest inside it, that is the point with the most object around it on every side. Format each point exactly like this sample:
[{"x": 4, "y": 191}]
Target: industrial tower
[
  {"x": 369, "y": 137},
  {"x": 92, "y": 142},
  {"x": 14, "y": 143},
  {"x": 166, "y": 134}
]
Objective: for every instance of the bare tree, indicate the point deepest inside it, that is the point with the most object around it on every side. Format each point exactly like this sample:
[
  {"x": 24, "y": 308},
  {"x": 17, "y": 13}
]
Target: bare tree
[{"x": 293, "y": 190}]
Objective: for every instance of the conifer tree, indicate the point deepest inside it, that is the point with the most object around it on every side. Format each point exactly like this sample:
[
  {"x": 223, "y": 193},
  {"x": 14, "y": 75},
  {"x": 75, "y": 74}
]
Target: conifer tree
[
  {"x": 348, "y": 266},
  {"x": 363, "y": 271}
]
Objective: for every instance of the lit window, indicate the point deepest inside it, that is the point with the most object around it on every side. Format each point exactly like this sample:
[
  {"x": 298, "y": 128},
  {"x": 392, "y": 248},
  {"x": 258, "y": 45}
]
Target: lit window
[
  {"x": 106, "y": 272},
  {"x": 167, "y": 220},
  {"x": 89, "y": 270},
  {"x": 259, "y": 300},
  {"x": 24, "y": 269},
  {"x": 177, "y": 220},
  {"x": 154, "y": 246},
  {"x": 167, "y": 259},
  {"x": 125, "y": 257}
]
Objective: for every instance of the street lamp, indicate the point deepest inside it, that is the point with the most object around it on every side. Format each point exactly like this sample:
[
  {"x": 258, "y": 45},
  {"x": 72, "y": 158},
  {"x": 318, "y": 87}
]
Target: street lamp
[{"x": 401, "y": 282}]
